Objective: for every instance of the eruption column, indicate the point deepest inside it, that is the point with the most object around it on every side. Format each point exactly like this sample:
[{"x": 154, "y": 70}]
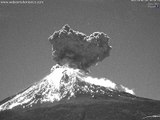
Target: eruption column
[{"x": 77, "y": 49}]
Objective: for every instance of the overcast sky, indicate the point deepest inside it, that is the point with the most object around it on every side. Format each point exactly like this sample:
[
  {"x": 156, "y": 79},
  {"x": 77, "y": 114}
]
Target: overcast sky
[{"x": 25, "y": 52}]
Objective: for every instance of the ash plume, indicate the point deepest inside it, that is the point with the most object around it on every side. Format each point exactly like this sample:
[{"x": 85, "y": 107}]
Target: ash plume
[{"x": 77, "y": 49}]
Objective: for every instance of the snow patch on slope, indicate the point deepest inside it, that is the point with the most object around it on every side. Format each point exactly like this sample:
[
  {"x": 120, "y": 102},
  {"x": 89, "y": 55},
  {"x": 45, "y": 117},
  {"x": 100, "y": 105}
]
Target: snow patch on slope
[{"x": 62, "y": 82}]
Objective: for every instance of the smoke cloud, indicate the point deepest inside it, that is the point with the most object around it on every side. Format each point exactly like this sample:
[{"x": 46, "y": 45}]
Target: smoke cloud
[{"x": 77, "y": 49}]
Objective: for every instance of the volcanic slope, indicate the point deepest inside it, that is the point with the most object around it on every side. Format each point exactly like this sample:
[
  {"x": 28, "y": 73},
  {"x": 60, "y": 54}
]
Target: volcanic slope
[{"x": 71, "y": 94}]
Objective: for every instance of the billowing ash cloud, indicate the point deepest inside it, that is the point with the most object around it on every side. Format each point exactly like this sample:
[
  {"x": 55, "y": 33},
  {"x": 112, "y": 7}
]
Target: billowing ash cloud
[{"x": 78, "y": 49}]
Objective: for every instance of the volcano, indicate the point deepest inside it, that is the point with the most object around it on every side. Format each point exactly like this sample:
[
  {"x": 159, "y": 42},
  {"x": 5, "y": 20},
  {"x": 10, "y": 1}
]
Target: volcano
[{"x": 71, "y": 94}]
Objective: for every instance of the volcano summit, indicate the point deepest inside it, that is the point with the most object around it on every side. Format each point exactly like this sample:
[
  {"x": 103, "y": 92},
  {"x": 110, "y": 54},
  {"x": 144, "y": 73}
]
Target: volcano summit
[{"x": 70, "y": 93}]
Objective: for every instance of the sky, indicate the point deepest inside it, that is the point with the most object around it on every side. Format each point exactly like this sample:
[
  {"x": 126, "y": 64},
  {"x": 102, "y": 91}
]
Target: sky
[{"x": 133, "y": 28}]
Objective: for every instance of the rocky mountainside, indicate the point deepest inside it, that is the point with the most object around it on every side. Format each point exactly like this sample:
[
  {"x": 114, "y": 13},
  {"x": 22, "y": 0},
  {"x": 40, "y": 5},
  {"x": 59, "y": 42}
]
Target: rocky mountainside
[{"x": 71, "y": 94}]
